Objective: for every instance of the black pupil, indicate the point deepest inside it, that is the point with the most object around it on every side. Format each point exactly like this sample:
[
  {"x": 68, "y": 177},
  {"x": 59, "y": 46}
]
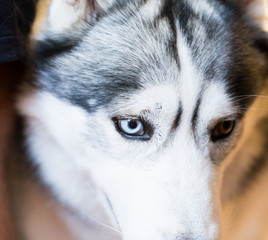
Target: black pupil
[
  {"x": 132, "y": 124},
  {"x": 227, "y": 125}
]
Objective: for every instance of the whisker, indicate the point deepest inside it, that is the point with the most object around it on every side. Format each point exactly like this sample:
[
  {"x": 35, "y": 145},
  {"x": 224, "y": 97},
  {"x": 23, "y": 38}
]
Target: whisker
[
  {"x": 93, "y": 191},
  {"x": 107, "y": 226},
  {"x": 255, "y": 109},
  {"x": 252, "y": 95},
  {"x": 239, "y": 98},
  {"x": 230, "y": 223}
]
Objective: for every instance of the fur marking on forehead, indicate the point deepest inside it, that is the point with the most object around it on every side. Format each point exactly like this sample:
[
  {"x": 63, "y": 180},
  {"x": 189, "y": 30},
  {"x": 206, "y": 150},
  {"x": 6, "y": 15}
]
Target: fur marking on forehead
[{"x": 151, "y": 9}]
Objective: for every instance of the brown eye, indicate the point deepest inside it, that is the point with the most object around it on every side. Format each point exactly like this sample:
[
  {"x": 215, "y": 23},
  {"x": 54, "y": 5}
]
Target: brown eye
[{"x": 222, "y": 130}]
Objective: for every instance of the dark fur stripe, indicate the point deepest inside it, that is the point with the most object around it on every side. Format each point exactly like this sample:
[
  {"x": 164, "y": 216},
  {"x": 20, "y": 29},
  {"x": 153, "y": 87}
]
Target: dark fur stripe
[
  {"x": 185, "y": 14},
  {"x": 195, "y": 114},
  {"x": 168, "y": 12},
  {"x": 50, "y": 48},
  {"x": 178, "y": 117}
]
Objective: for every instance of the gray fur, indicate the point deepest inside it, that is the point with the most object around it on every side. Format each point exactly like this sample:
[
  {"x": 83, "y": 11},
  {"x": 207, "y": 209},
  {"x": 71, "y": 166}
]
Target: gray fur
[{"x": 122, "y": 51}]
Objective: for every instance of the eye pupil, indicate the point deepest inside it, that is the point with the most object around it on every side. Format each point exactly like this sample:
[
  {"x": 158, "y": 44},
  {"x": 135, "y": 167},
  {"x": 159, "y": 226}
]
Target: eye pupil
[
  {"x": 132, "y": 124},
  {"x": 227, "y": 125}
]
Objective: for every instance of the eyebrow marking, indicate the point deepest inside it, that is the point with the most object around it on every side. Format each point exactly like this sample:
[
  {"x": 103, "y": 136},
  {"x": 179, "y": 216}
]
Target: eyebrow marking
[
  {"x": 196, "y": 114},
  {"x": 177, "y": 120}
]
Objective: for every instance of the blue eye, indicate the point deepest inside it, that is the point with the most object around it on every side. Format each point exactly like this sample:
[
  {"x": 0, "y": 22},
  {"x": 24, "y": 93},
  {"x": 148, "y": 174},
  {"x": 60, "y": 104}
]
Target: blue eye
[{"x": 131, "y": 127}]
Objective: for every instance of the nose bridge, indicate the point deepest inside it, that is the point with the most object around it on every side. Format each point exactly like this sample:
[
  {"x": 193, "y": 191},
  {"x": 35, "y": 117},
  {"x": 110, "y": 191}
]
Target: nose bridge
[
  {"x": 183, "y": 150},
  {"x": 173, "y": 200},
  {"x": 183, "y": 135},
  {"x": 190, "y": 185}
]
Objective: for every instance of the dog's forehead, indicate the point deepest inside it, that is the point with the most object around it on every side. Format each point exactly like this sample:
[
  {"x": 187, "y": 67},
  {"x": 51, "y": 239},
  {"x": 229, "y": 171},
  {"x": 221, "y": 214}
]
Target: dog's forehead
[
  {"x": 161, "y": 101},
  {"x": 137, "y": 46},
  {"x": 144, "y": 46},
  {"x": 136, "y": 39},
  {"x": 152, "y": 51},
  {"x": 143, "y": 37}
]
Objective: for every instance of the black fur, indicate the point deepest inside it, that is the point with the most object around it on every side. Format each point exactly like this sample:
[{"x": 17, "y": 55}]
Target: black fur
[
  {"x": 178, "y": 117},
  {"x": 195, "y": 114}
]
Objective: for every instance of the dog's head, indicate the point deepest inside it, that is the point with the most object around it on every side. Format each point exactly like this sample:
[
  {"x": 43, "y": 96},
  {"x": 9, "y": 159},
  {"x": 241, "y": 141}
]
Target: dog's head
[{"x": 136, "y": 103}]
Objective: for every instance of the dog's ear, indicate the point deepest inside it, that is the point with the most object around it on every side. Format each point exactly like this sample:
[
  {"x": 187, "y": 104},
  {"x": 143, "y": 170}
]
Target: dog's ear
[
  {"x": 255, "y": 13},
  {"x": 68, "y": 15},
  {"x": 261, "y": 43},
  {"x": 255, "y": 10}
]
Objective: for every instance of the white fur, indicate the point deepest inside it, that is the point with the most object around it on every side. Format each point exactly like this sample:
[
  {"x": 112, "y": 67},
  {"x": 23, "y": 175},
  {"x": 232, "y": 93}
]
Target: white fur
[
  {"x": 205, "y": 7},
  {"x": 63, "y": 14},
  {"x": 151, "y": 9},
  {"x": 148, "y": 183},
  {"x": 190, "y": 85}
]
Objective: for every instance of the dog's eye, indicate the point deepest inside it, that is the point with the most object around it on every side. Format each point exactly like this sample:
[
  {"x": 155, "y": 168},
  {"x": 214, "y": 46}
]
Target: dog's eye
[
  {"x": 222, "y": 130},
  {"x": 134, "y": 129},
  {"x": 131, "y": 127}
]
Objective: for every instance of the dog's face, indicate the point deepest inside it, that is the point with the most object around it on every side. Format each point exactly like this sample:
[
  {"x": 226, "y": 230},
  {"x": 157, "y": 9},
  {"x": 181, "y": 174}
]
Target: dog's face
[{"x": 136, "y": 108}]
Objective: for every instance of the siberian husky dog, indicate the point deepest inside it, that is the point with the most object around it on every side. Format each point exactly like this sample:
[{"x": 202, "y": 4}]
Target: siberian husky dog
[{"x": 131, "y": 109}]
